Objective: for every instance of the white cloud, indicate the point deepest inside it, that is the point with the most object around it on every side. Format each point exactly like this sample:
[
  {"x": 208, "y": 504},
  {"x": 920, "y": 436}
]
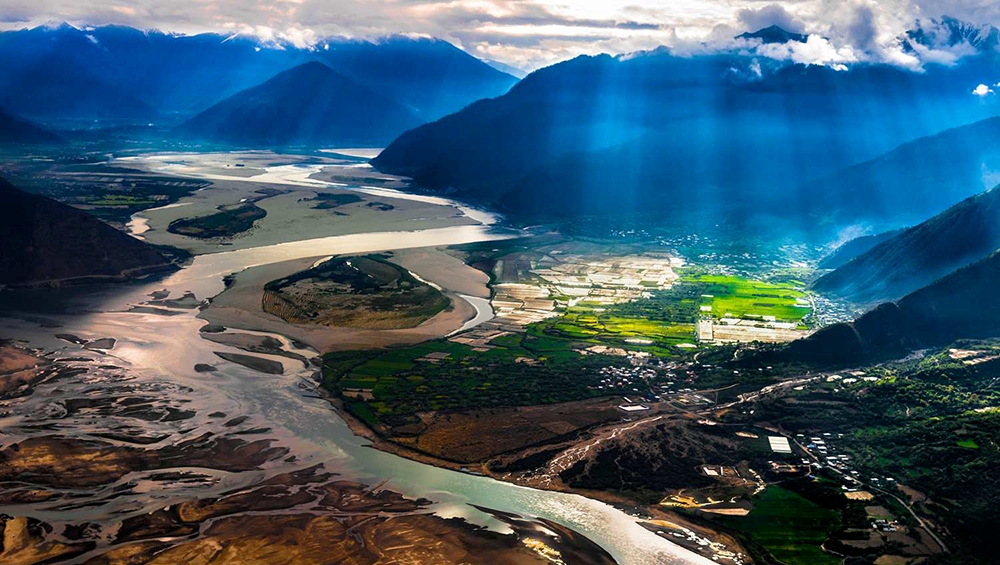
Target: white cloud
[
  {"x": 982, "y": 90},
  {"x": 772, "y": 14},
  {"x": 533, "y": 33}
]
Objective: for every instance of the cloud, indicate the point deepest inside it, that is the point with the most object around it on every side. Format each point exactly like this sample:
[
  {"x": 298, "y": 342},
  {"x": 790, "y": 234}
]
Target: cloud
[
  {"x": 982, "y": 90},
  {"x": 770, "y": 15},
  {"x": 815, "y": 51},
  {"x": 534, "y": 33}
]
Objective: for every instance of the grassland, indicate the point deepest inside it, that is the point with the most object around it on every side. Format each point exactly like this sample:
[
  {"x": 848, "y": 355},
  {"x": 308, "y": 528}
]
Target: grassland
[
  {"x": 227, "y": 222},
  {"x": 789, "y": 527},
  {"x": 354, "y": 292}
]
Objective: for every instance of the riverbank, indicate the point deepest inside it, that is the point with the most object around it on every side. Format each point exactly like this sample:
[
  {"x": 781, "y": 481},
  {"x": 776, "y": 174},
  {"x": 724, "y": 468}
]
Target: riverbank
[
  {"x": 697, "y": 538},
  {"x": 163, "y": 388},
  {"x": 239, "y": 306},
  {"x": 293, "y": 207}
]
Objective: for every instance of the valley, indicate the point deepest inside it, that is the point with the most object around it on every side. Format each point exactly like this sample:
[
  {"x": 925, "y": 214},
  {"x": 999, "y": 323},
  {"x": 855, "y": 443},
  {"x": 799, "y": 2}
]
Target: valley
[
  {"x": 636, "y": 371},
  {"x": 159, "y": 393},
  {"x": 455, "y": 283}
]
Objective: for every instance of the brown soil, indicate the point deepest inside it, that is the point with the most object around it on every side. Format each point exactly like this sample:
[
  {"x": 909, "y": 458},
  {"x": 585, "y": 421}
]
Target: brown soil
[
  {"x": 324, "y": 521},
  {"x": 62, "y": 462},
  {"x": 479, "y": 435},
  {"x": 19, "y": 368}
]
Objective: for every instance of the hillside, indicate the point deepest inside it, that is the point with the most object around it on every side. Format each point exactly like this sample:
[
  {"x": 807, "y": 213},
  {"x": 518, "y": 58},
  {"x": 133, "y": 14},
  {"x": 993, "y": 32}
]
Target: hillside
[
  {"x": 56, "y": 89},
  {"x": 430, "y": 76},
  {"x": 43, "y": 240},
  {"x": 649, "y": 131},
  {"x": 964, "y": 304},
  {"x": 962, "y": 234},
  {"x": 308, "y": 105},
  {"x": 854, "y": 247},
  {"x": 16, "y": 130},
  {"x": 933, "y": 172}
]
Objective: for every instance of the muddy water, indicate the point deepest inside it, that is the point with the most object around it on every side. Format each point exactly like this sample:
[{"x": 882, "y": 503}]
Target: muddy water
[{"x": 156, "y": 354}]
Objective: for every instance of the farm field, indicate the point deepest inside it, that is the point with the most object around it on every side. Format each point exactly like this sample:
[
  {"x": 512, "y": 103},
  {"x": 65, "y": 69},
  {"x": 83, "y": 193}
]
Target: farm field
[
  {"x": 738, "y": 297},
  {"x": 391, "y": 387},
  {"x": 791, "y": 528}
]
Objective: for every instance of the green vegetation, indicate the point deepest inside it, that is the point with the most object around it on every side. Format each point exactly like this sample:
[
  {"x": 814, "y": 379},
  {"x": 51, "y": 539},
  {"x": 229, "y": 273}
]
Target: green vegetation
[
  {"x": 111, "y": 193},
  {"x": 354, "y": 292},
  {"x": 523, "y": 370},
  {"x": 119, "y": 200},
  {"x": 738, "y": 297},
  {"x": 666, "y": 319},
  {"x": 586, "y": 325},
  {"x": 930, "y": 424},
  {"x": 326, "y": 201},
  {"x": 967, "y": 443},
  {"x": 227, "y": 222},
  {"x": 788, "y": 526}
]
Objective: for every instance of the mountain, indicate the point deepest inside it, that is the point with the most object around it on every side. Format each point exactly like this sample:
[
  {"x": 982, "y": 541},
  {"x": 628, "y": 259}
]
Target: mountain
[
  {"x": 42, "y": 240},
  {"x": 55, "y": 89},
  {"x": 962, "y": 305},
  {"x": 308, "y": 105},
  {"x": 962, "y": 234},
  {"x": 917, "y": 178},
  {"x": 132, "y": 71},
  {"x": 505, "y": 68},
  {"x": 854, "y": 247},
  {"x": 949, "y": 32},
  {"x": 661, "y": 132},
  {"x": 16, "y": 130},
  {"x": 774, "y": 34},
  {"x": 430, "y": 76}
]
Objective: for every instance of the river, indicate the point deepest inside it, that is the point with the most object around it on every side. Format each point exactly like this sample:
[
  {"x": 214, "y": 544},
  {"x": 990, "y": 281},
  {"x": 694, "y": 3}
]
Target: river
[{"x": 163, "y": 350}]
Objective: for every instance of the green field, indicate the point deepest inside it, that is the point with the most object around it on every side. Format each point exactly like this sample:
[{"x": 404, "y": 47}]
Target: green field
[
  {"x": 789, "y": 527},
  {"x": 744, "y": 298},
  {"x": 521, "y": 370},
  {"x": 606, "y": 328}
]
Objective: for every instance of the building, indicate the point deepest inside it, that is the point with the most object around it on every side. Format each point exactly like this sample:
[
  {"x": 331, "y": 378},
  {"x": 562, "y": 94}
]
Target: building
[{"x": 779, "y": 444}]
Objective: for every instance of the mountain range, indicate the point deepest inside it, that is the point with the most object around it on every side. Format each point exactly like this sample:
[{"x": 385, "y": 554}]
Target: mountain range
[
  {"x": 118, "y": 73},
  {"x": 730, "y": 132},
  {"x": 961, "y": 305},
  {"x": 917, "y": 179},
  {"x": 308, "y": 105},
  {"x": 915, "y": 257},
  {"x": 44, "y": 241}
]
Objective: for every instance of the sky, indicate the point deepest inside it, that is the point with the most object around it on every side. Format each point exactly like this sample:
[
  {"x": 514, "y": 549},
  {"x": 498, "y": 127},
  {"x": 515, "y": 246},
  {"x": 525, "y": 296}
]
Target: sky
[{"x": 529, "y": 34}]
